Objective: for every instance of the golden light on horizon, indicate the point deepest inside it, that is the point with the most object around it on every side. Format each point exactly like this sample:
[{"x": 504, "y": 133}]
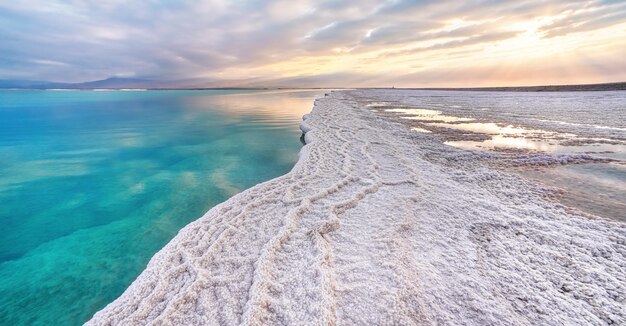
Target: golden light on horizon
[
  {"x": 511, "y": 61},
  {"x": 306, "y": 43}
]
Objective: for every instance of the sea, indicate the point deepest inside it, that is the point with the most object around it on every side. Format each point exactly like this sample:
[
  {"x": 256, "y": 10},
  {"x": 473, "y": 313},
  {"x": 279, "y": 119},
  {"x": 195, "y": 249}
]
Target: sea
[{"x": 94, "y": 183}]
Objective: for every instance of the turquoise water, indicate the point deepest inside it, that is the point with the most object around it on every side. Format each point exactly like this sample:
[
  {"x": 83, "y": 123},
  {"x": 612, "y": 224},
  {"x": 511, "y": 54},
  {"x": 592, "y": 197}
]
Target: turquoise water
[{"x": 92, "y": 184}]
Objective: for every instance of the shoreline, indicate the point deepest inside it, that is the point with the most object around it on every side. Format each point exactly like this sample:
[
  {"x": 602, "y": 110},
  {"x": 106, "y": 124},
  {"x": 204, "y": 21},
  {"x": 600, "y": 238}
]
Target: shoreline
[
  {"x": 599, "y": 87},
  {"x": 615, "y": 86},
  {"x": 376, "y": 224}
]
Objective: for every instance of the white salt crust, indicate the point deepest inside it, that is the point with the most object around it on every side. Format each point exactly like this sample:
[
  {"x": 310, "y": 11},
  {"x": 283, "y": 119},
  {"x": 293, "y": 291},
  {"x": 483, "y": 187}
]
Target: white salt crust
[{"x": 379, "y": 225}]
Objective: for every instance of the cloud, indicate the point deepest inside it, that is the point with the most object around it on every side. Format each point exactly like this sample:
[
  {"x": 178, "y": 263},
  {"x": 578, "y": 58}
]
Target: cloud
[
  {"x": 293, "y": 40},
  {"x": 587, "y": 19}
]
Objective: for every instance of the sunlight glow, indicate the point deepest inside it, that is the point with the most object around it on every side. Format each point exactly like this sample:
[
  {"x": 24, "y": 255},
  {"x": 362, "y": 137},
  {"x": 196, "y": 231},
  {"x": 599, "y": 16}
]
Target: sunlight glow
[{"x": 308, "y": 43}]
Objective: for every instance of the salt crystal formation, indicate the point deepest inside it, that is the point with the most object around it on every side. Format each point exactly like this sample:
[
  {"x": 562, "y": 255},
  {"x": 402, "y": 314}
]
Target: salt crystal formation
[{"x": 378, "y": 225}]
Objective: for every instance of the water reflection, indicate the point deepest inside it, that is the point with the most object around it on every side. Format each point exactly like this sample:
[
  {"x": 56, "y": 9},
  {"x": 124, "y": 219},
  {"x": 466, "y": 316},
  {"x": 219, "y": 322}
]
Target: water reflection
[
  {"x": 417, "y": 112},
  {"x": 282, "y": 105},
  {"x": 426, "y": 131},
  {"x": 426, "y": 115},
  {"x": 601, "y": 150},
  {"x": 593, "y": 188},
  {"x": 489, "y": 128},
  {"x": 534, "y": 127},
  {"x": 533, "y": 140},
  {"x": 500, "y": 141},
  {"x": 100, "y": 181}
]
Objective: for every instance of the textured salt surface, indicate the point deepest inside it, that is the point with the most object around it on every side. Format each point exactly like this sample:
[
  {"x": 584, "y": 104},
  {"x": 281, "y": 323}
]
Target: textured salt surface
[{"x": 378, "y": 224}]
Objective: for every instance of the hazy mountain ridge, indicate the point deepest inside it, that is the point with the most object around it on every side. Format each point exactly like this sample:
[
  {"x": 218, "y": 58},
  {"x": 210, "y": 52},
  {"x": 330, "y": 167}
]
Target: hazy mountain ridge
[
  {"x": 289, "y": 82},
  {"x": 112, "y": 82}
]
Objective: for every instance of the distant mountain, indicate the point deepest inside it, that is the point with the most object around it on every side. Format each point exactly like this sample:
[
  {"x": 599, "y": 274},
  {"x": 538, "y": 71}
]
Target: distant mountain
[
  {"x": 8, "y": 83},
  {"x": 113, "y": 82},
  {"x": 193, "y": 83},
  {"x": 116, "y": 82},
  {"x": 323, "y": 81}
]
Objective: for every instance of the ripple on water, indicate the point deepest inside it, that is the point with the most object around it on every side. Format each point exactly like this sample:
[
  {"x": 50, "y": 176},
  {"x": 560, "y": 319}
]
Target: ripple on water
[{"x": 92, "y": 184}]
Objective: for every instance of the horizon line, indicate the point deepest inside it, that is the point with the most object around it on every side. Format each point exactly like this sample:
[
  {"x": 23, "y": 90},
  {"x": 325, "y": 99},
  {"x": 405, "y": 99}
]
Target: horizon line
[{"x": 607, "y": 86}]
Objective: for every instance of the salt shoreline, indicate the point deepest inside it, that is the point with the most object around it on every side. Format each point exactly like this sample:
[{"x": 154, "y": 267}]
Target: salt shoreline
[{"x": 376, "y": 224}]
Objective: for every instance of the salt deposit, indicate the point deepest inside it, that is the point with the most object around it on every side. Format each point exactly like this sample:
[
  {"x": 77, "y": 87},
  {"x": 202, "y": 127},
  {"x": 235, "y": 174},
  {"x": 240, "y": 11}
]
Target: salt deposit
[{"x": 378, "y": 224}]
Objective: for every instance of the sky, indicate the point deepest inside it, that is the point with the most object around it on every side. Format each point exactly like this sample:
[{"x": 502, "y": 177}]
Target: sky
[{"x": 300, "y": 43}]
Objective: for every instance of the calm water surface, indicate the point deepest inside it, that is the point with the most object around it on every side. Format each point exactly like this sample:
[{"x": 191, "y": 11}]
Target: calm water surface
[
  {"x": 556, "y": 123},
  {"x": 92, "y": 184}
]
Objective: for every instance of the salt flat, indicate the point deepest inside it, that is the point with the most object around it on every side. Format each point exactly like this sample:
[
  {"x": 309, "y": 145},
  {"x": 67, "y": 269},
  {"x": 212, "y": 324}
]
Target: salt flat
[{"x": 377, "y": 224}]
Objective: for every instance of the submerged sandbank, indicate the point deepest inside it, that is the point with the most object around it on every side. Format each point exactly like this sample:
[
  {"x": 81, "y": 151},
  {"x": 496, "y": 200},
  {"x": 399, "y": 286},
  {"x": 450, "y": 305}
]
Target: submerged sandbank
[{"x": 378, "y": 224}]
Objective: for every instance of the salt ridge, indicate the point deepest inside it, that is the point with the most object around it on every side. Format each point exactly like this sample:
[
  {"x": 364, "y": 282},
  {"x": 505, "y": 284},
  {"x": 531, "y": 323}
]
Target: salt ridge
[{"x": 376, "y": 224}]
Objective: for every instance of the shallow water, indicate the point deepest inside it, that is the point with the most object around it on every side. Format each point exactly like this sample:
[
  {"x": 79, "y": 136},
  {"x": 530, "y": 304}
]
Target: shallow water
[
  {"x": 489, "y": 128},
  {"x": 596, "y": 188},
  {"x": 92, "y": 184},
  {"x": 427, "y": 115},
  {"x": 563, "y": 123}
]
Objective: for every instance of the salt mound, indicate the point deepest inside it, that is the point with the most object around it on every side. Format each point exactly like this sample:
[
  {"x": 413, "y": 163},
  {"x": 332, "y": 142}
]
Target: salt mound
[{"x": 380, "y": 225}]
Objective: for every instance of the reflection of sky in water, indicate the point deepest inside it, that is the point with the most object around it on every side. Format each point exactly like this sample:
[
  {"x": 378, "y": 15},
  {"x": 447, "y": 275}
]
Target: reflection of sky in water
[
  {"x": 611, "y": 151},
  {"x": 445, "y": 118},
  {"x": 421, "y": 130},
  {"x": 488, "y": 128},
  {"x": 508, "y": 136},
  {"x": 426, "y": 115},
  {"x": 379, "y": 104},
  {"x": 92, "y": 184},
  {"x": 527, "y": 139},
  {"x": 596, "y": 188},
  {"x": 507, "y": 142},
  {"x": 414, "y": 111},
  {"x": 580, "y": 124},
  {"x": 272, "y": 106}
]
